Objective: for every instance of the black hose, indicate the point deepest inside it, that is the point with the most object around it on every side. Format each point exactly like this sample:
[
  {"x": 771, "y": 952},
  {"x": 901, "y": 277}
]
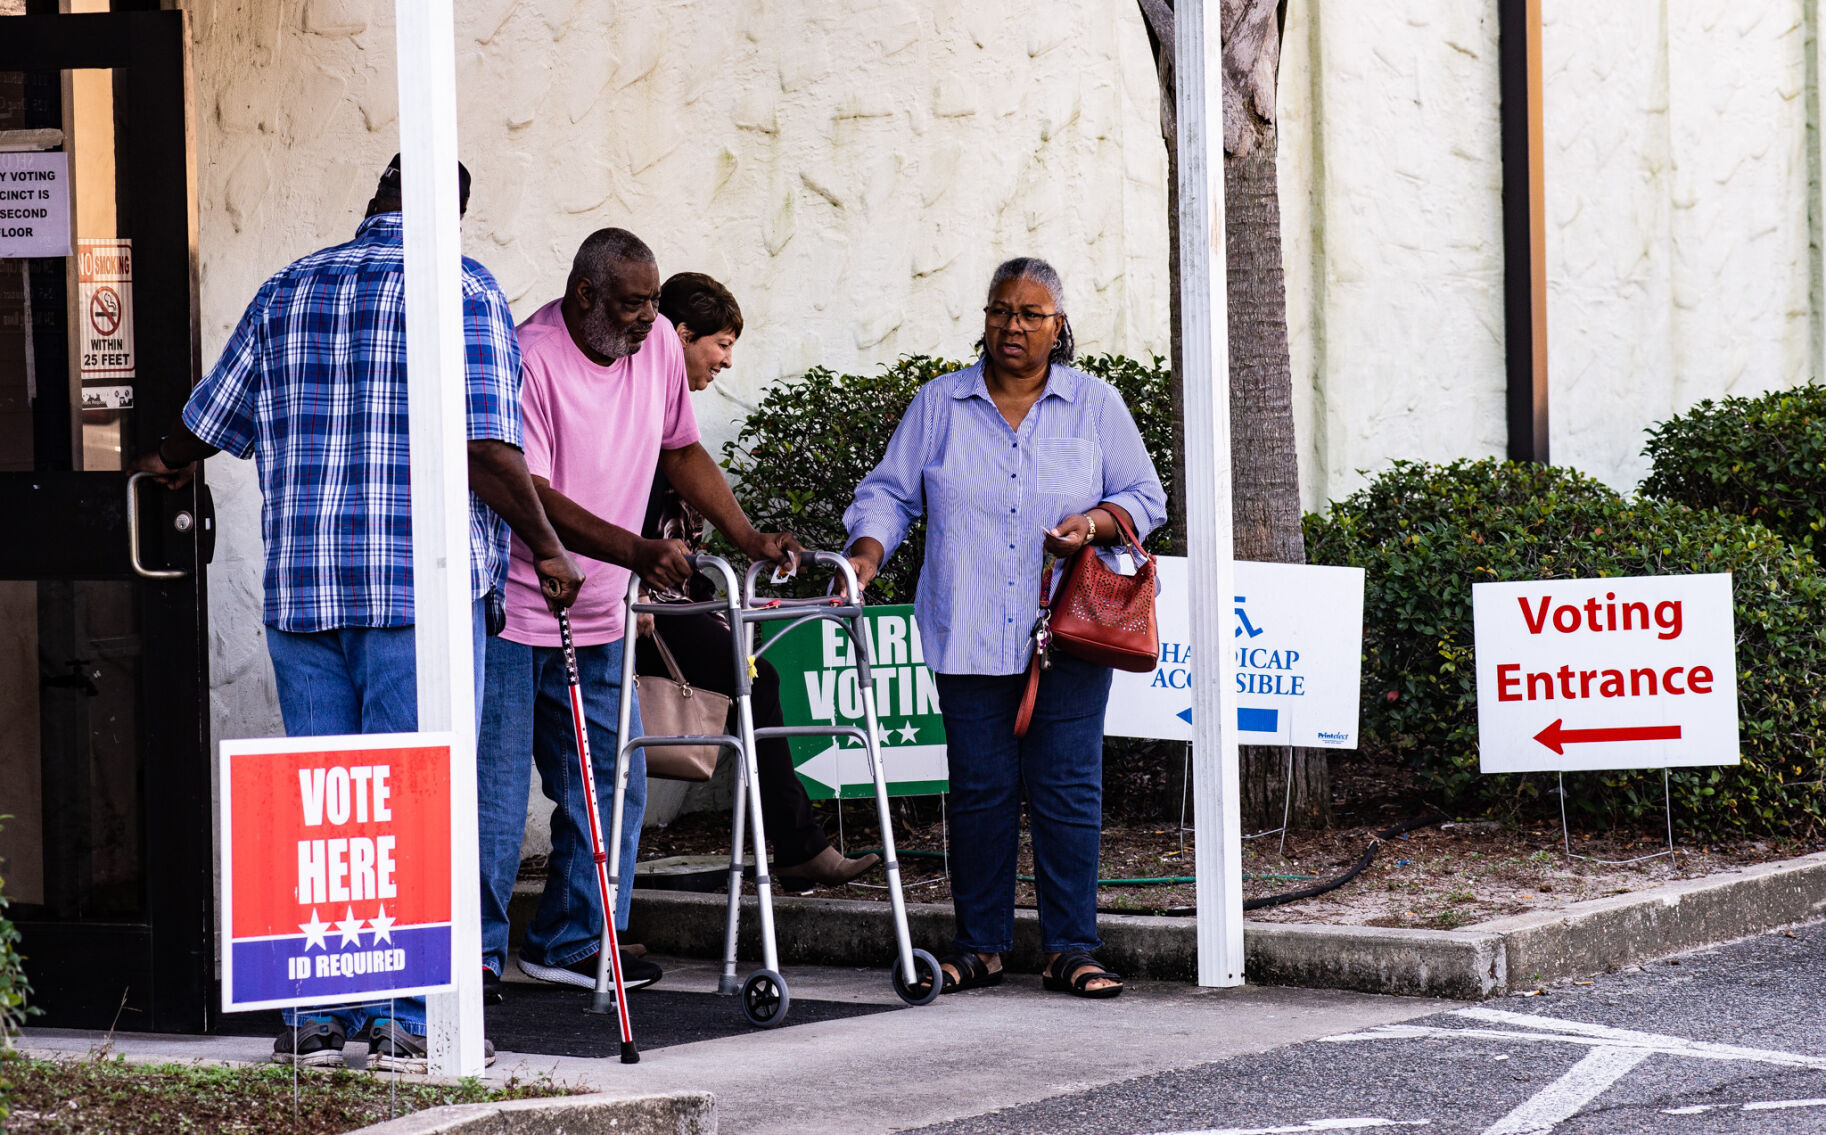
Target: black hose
[{"x": 1363, "y": 862}]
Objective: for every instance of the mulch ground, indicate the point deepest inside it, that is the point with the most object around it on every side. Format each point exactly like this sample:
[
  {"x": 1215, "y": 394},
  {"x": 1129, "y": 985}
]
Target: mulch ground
[
  {"x": 102, "y": 1096},
  {"x": 1451, "y": 873}
]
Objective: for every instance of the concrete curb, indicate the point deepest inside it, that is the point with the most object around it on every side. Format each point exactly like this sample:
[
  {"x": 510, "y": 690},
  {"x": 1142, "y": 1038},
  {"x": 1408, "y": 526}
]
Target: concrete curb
[
  {"x": 1485, "y": 960},
  {"x": 658, "y": 1113},
  {"x": 1465, "y": 965},
  {"x": 1594, "y": 936}
]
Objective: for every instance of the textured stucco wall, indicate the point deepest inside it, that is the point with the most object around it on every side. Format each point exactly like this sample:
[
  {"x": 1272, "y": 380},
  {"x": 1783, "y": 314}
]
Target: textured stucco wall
[
  {"x": 1391, "y": 191},
  {"x": 852, "y": 170},
  {"x": 1677, "y": 199},
  {"x": 1678, "y": 185}
]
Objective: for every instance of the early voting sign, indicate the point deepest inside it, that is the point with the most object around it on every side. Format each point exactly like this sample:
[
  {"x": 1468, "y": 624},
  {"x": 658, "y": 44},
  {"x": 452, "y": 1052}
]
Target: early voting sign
[
  {"x": 1581, "y": 674},
  {"x": 335, "y": 869},
  {"x": 1297, "y": 638},
  {"x": 818, "y": 686}
]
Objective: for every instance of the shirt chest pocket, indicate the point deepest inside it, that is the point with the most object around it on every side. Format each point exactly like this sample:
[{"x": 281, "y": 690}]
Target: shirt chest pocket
[{"x": 1067, "y": 467}]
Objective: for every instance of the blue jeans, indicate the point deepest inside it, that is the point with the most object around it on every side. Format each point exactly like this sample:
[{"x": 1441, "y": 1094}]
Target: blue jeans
[
  {"x": 1058, "y": 768},
  {"x": 357, "y": 680},
  {"x": 527, "y": 712}
]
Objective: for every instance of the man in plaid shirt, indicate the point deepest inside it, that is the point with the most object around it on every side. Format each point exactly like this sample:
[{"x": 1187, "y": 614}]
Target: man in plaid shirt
[{"x": 312, "y": 384}]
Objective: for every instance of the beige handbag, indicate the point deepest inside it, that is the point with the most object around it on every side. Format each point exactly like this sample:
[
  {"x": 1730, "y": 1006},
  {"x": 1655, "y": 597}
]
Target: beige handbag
[{"x": 673, "y": 707}]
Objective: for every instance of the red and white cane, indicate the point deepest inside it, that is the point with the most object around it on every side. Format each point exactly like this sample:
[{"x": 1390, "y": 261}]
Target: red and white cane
[{"x": 629, "y": 1053}]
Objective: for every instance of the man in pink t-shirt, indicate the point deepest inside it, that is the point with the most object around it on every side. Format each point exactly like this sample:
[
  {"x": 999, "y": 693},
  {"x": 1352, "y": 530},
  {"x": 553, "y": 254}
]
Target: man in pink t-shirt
[{"x": 605, "y": 405}]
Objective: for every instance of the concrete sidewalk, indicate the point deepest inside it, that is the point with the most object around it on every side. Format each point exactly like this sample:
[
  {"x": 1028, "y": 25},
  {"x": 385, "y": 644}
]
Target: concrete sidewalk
[{"x": 965, "y": 1055}]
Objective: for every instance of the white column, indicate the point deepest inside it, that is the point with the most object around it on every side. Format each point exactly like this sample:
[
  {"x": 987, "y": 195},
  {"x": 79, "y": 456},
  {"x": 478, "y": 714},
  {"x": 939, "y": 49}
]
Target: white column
[
  {"x": 1205, "y": 371},
  {"x": 440, "y": 488},
  {"x": 1815, "y": 12}
]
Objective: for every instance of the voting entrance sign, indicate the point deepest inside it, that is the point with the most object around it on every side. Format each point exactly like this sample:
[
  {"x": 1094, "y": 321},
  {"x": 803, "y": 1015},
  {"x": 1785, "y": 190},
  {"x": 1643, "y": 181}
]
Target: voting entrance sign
[
  {"x": 818, "y": 686},
  {"x": 1297, "y": 638},
  {"x": 335, "y": 869},
  {"x": 1581, "y": 674}
]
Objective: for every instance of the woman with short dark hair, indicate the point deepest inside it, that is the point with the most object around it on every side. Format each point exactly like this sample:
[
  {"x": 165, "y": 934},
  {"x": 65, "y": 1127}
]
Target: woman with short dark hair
[
  {"x": 1014, "y": 458},
  {"x": 708, "y": 322}
]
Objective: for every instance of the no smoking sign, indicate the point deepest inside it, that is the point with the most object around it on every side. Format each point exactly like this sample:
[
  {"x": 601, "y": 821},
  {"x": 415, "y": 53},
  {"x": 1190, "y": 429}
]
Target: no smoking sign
[
  {"x": 104, "y": 278},
  {"x": 1586, "y": 674},
  {"x": 104, "y": 311}
]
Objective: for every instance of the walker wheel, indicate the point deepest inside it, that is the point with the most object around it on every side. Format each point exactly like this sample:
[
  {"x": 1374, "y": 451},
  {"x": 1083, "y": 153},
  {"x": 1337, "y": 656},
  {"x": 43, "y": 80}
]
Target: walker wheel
[
  {"x": 925, "y": 967},
  {"x": 765, "y": 999}
]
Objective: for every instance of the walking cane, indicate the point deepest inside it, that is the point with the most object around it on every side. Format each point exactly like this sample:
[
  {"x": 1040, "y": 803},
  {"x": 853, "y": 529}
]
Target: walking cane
[{"x": 629, "y": 1053}]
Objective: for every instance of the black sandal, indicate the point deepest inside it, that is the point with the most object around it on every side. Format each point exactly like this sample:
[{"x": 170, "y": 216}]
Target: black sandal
[
  {"x": 973, "y": 973},
  {"x": 1070, "y": 960}
]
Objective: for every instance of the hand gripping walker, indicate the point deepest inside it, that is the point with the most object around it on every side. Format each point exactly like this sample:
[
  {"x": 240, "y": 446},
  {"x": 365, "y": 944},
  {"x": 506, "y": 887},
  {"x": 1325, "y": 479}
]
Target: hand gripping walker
[
  {"x": 608, "y": 956},
  {"x": 765, "y": 997}
]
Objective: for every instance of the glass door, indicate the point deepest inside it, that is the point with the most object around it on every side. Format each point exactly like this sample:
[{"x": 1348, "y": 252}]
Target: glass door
[{"x": 104, "y": 757}]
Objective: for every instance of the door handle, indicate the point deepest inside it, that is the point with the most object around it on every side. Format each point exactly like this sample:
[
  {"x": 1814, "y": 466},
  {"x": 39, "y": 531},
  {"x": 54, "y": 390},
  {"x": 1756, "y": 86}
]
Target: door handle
[{"x": 140, "y": 569}]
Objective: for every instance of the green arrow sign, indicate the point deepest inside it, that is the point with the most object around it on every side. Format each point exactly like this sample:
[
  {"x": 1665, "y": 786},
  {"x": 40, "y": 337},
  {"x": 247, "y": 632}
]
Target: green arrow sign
[{"x": 818, "y": 687}]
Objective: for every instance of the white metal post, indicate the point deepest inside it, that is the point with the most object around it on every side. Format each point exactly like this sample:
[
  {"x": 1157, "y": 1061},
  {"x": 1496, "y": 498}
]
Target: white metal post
[
  {"x": 1205, "y": 372},
  {"x": 440, "y": 488}
]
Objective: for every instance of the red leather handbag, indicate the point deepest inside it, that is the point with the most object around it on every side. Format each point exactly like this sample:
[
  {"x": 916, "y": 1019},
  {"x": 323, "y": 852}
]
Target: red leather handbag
[{"x": 1098, "y": 615}]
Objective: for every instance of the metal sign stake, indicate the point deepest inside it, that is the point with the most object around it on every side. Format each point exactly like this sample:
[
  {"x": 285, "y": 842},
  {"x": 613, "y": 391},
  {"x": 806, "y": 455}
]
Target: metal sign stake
[{"x": 1667, "y": 804}]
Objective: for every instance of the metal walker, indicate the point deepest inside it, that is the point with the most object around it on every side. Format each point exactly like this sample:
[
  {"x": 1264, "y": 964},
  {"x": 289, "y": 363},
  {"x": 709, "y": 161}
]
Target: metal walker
[{"x": 765, "y": 996}]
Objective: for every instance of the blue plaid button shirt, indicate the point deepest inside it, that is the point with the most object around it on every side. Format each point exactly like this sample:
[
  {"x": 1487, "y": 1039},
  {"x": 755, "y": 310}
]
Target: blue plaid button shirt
[{"x": 313, "y": 385}]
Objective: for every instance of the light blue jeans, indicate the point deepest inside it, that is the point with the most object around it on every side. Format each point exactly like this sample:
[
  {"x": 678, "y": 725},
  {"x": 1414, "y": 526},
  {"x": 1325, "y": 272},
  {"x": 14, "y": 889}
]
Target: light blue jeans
[
  {"x": 358, "y": 680},
  {"x": 527, "y": 714}
]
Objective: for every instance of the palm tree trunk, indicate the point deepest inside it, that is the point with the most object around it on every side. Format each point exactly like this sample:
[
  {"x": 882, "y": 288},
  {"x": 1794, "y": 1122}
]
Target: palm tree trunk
[{"x": 1264, "y": 453}]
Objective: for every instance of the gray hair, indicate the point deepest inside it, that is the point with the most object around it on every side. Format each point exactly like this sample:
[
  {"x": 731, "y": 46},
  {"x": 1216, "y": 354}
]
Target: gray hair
[
  {"x": 1045, "y": 275},
  {"x": 1030, "y": 268},
  {"x": 606, "y": 249}
]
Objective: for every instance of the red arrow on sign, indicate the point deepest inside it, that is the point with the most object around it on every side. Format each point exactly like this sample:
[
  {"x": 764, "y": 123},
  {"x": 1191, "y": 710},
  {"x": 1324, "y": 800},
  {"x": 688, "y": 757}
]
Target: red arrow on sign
[{"x": 1556, "y": 738}]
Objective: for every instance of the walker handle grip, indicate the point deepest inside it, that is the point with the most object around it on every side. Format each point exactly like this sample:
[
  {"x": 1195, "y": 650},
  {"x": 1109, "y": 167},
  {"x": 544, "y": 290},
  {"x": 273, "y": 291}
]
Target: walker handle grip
[{"x": 852, "y": 592}]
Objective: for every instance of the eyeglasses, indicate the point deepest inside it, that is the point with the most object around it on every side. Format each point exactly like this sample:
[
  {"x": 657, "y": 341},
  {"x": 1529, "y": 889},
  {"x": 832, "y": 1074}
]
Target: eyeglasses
[{"x": 1000, "y": 316}]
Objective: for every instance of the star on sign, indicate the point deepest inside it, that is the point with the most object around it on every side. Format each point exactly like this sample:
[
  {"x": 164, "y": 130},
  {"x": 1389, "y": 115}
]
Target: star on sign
[
  {"x": 383, "y": 927},
  {"x": 908, "y": 733},
  {"x": 350, "y": 928},
  {"x": 314, "y": 932}
]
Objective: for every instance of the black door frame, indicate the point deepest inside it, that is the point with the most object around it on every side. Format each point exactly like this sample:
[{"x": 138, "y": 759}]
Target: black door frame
[{"x": 76, "y": 528}]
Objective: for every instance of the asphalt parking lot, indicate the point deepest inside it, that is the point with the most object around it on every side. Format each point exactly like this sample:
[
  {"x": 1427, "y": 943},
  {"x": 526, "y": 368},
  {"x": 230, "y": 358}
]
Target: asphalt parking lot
[{"x": 1719, "y": 1041}]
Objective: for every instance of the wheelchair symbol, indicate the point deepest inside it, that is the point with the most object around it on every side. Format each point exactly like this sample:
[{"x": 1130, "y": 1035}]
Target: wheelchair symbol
[{"x": 1243, "y": 617}]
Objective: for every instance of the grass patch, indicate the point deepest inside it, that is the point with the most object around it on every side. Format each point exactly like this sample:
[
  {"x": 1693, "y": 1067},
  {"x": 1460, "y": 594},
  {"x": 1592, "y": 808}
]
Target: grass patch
[{"x": 106, "y": 1096}]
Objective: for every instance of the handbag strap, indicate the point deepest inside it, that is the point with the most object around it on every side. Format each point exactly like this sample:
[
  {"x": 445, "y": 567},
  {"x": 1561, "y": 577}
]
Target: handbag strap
[
  {"x": 1024, "y": 717},
  {"x": 1120, "y": 516},
  {"x": 1042, "y": 633},
  {"x": 1042, "y": 641},
  {"x": 671, "y": 663}
]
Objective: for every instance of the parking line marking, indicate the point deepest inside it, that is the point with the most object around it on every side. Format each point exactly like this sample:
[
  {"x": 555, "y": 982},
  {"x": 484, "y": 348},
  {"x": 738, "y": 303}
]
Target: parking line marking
[
  {"x": 1672, "y": 1045},
  {"x": 1585, "y": 1081},
  {"x": 1355, "y": 1124}
]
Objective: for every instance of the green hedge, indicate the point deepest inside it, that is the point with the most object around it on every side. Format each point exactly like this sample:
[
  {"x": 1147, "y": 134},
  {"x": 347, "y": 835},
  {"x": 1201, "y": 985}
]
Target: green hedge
[
  {"x": 1425, "y": 533},
  {"x": 811, "y": 440},
  {"x": 1763, "y": 458},
  {"x": 14, "y": 988}
]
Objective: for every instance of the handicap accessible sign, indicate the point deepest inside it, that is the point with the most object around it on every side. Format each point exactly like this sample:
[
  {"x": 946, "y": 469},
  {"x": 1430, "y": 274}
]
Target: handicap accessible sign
[
  {"x": 335, "y": 881},
  {"x": 818, "y": 686},
  {"x": 1297, "y": 649}
]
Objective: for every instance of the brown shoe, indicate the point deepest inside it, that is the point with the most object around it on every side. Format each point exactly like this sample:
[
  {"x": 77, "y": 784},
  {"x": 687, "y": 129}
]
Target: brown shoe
[
  {"x": 829, "y": 867},
  {"x": 633, "y": 949}
]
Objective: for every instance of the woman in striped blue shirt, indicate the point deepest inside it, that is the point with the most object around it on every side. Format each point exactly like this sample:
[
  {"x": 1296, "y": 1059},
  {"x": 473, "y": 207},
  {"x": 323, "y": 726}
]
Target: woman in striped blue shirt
[{"x": 1014, "y": 458}]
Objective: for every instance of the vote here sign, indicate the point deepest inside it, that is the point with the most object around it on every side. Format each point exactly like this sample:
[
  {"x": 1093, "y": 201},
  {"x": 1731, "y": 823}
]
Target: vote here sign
[
  {"x": 1605, "y": 673},
  {"x": 335, "y": 869}
]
